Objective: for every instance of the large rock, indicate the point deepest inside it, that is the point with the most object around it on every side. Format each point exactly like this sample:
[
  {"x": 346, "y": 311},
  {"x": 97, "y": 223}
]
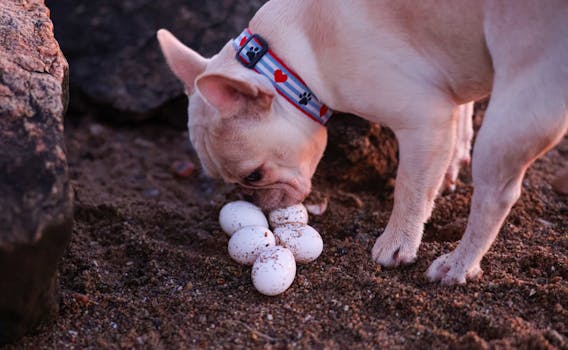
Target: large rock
[
  {"x": 114, "y": 55},
  {"x": 560, "y": 183},
  {"x": 359, "y": 154},
  {"x": 35, "y": 197}
]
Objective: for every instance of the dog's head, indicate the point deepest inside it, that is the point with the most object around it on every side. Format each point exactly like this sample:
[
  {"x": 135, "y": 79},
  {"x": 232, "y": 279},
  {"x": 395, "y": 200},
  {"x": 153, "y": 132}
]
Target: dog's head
[{"x": 243, "y": 131}]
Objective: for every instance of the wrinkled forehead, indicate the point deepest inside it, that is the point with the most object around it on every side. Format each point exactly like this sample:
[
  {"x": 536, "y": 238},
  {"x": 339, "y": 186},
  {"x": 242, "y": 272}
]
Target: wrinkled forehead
[
  {"x": 227, "y": 156},
  {"x": 234, "y": 151},
  {"x": 228, "y": 147}
]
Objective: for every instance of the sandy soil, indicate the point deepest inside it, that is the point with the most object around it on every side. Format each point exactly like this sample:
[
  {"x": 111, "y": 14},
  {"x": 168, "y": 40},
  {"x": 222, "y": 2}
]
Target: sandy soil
[{"x": 148, "y": 267}]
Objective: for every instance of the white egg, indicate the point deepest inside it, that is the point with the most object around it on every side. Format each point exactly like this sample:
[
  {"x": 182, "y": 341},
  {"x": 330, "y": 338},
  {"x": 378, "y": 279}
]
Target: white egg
[
  {"x": 302, "y": 240},
  {"x": 274, "y": 270},
  {"x": 246, "y": 244},
  {"x": 236, "y": 215},
  {"x": 293, "y": 214}
]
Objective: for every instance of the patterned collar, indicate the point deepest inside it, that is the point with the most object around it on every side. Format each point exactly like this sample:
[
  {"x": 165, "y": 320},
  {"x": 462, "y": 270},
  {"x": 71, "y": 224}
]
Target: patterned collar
[{"x": 253, "y": 53}]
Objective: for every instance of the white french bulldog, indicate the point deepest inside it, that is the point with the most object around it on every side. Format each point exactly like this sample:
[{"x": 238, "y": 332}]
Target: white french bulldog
[{"x": 405, "y": 64}]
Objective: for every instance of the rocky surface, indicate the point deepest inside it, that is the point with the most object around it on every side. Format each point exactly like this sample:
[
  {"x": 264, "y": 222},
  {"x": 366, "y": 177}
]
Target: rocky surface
[
  {"x": 114, "y": 55},
  {"x": 35, "y": 198}
]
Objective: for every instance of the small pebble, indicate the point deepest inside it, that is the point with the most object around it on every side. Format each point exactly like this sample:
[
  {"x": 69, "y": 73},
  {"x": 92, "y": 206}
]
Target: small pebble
[
  {"x": 96, "y": 129},
  {"x": 143, "y": 143},
  {"x": 182, "y": 168},
  {"x": 151, "y": 192},
  {"x": 560, "y": 183},
  {"x": 317, "y": 208},
  {"x": 341, "y": 251},
  {"x": 81, "y": 298}
]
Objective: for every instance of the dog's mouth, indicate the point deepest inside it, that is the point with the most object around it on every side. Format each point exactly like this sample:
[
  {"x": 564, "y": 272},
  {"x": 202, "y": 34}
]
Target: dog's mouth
[
  {"x": 280, "y": 196},
  {"x": 274, "y": 199}
]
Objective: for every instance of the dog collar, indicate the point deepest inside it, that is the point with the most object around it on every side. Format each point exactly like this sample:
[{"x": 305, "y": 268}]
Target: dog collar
[{"x": 253, "y": 53}]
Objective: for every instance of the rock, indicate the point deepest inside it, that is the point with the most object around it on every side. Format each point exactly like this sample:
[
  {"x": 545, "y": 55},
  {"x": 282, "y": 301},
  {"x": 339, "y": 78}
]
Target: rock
[
  {"x": 182, "y": 168},
  {"x": 359, "y": 154},
  {"x": 560, "y": 183},
  {"x": 35, "y": 196},
  {"x": 316, "y": 203},
  {"x": 114, "y": 55}
]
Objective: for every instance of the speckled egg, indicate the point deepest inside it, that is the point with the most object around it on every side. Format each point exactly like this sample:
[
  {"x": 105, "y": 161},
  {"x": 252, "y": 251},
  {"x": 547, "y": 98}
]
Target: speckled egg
[
  {"x": 274, "y": 271},
  {"x": 246, "y": 244},
  {"x": 236, "y": 215},
  {"x": 304, "y": 241},
  {"x": 293, "y": 214}
]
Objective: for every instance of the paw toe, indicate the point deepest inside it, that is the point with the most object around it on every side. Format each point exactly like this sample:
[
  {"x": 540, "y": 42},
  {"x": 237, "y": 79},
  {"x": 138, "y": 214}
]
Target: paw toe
[
  {"x": 449, "y": 184},
  {"x": 449, "y": 271},
  {"x": 437, "y": 269},
  {"x": 475, "y": 273},
  {"x": 451, "y": 279},
  {"x": 392, "y": 256}
]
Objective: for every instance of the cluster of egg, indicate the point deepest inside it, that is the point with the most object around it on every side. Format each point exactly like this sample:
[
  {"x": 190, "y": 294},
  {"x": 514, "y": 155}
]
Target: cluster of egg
[{"x": 272, "y": 254}]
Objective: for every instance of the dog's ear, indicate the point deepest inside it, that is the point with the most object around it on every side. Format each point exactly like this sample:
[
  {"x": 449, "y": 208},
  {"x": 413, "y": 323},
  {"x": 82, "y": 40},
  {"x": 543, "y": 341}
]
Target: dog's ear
[
  {"x": 228, "y": 92},
  {"x": 183, "y": 61}
]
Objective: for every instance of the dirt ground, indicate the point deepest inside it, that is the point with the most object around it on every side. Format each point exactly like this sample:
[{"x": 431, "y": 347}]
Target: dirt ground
[{"x": 148, "y": 267}]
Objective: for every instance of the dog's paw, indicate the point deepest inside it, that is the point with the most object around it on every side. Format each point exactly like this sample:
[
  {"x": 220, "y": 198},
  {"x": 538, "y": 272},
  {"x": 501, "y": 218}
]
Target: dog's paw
[
  {"x": 449, "y": 269},
  {"x": 451, "y": 177},
  {"x": 449, "y": 184},
  {"x": 392, "y": 250}
]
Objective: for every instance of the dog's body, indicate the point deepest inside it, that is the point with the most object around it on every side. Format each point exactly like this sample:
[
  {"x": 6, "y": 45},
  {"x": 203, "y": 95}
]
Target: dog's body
[{"x": 404, "y": 64}]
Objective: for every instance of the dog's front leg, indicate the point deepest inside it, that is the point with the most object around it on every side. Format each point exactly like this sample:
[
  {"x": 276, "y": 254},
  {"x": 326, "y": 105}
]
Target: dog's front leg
[{"x": 424, "y": 155}]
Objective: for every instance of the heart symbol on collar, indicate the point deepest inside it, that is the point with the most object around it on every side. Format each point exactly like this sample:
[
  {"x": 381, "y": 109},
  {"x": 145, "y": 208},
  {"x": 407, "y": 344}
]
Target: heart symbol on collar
[
  {"x": 323, "y": 110},
  {"x": 280, "y": 76}
]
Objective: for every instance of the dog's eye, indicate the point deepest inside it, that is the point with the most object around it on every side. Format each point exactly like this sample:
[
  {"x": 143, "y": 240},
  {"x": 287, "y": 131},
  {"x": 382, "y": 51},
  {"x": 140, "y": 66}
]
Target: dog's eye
[{"x": 255, "y": 176}]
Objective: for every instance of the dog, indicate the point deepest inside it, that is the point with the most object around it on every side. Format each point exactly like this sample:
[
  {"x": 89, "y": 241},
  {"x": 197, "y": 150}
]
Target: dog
[{"x": 405, "y": 64}]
